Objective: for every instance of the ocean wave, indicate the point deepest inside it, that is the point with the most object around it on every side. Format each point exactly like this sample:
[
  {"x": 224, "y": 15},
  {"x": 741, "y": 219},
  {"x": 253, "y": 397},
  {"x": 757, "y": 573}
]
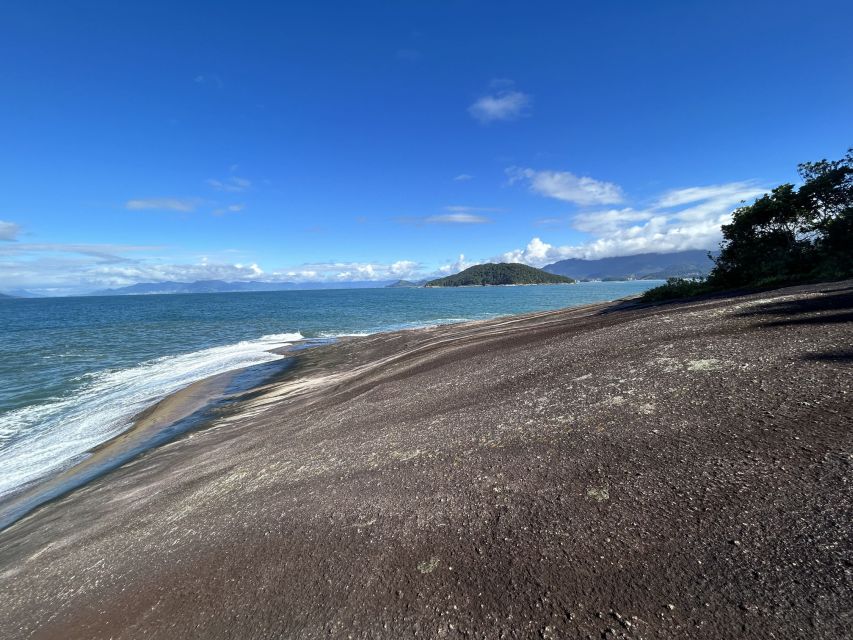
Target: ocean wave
[{"x": 40, "y": 439}]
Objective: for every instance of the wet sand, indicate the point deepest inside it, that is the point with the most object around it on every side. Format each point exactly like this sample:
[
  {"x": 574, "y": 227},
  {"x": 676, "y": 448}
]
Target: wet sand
[
  {"x": 189, "y": 408},
  {"x": 616, "y": 470},
  {"x": 169, "y": 411}
]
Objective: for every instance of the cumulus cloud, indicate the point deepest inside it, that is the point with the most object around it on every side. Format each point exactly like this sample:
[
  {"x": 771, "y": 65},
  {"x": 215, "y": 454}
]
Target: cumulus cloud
[
  {"x": 9, "y": 230},
  {"x": 664, "y": 227},
  {"x": 350, "y": 271},
  {"x": 566, "y": 186},
  {"x": 404, "y": 267},
  {"x": 535, "y": 253},
  {"x": 463, "y": 177},
  {"x": 49, "y": 266},
  {"x": 460, "y": 264},
  {"x": 501, "y": 106},
  {"x": 184, "y": 205},
  {"x": 598, "y": 222},
  {"x": 120, "y": 275}
]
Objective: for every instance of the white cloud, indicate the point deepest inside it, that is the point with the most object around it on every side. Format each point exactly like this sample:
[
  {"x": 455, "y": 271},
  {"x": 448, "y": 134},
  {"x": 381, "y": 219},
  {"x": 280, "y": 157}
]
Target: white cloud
[
  {"x": 254, "y": 268},
  {"x": 62, "y": 269},
  {"x": 463, "y": 177},
  {"x": 102, "y": 252},
  {"x": 456, "y": 214},
  {"x": 404, "y": 267},
  {"x": 231, "y": 184},
  {"x": 566, "y": 186},
  {"x": 536, "y": 253},
  {"x": 456, "y": 218},
  {"x": 661, "y": 228},
  {"x": 736, "y": 190},
  {"x": 463, "y": 208},
  {"x": 598, "y": 222},
  {"x": 185, "y": 205},
  {"x": 457, "y": 266},
  {"x": 502, "y": 106},
  {"x": 9, "y": 230},
  {"x": 350, "y": 271}
]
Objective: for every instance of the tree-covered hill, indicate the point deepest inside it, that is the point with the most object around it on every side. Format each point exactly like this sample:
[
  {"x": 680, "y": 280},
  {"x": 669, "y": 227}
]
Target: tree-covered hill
[{"x": 499, "y": 274}]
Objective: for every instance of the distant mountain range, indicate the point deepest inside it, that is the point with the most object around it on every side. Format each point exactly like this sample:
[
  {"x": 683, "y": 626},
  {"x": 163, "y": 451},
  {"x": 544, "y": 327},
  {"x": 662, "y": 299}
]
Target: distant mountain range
[
  {"x": 643, "y": 266},
  {"x": 220, "y": 286},
  {"x": 19, "y": 293},
  {"x": 491, "y": 274}
]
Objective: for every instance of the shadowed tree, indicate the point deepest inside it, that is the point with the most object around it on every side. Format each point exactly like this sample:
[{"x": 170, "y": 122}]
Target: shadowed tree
[{"x": 787, "y": 236}]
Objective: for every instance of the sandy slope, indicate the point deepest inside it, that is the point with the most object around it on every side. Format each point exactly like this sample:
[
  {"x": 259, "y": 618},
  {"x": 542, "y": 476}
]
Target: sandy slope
[{"x": 613, "y": 471}]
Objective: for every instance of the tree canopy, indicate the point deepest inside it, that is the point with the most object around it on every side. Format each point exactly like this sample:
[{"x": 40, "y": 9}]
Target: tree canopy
[{"x": 787, "y": 236}]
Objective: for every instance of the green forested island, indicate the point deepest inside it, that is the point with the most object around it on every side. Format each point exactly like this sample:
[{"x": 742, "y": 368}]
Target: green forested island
[{"x": 492, "y": 274}]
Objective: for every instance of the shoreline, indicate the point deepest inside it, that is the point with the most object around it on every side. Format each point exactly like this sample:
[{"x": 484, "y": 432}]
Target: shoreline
[
  {"x": 196, "y": 407},
  {"x": 190, "y": 408},
  {"x": 659, "y": 470}
]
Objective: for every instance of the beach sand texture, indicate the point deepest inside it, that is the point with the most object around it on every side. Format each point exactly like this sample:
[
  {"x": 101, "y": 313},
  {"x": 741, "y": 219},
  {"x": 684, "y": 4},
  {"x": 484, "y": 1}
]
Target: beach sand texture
[{"x": 616, "y": 470}]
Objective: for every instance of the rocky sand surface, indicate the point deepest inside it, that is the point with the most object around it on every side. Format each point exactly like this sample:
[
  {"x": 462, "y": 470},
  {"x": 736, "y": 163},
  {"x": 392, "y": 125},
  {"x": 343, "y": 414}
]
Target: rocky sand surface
[{"x": 613, "y": 471}]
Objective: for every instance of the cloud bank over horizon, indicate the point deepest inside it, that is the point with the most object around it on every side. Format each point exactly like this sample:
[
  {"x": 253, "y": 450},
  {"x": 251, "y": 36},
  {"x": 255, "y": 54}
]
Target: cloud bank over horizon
[
  {"x": 676, "y": 220},
  {"x": 67, "y": 269}
]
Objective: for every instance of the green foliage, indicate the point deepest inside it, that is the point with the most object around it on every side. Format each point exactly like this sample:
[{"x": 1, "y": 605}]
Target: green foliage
[
  {"x": 498, "y": 274},
  {"x": 676, "y": 288},
  {"x": 787, "y": 236}
]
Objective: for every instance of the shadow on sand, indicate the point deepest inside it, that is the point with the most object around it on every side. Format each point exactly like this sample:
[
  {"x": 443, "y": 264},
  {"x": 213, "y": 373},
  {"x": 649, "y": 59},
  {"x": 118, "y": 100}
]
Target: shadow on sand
[{"x": 834, "y": 307}]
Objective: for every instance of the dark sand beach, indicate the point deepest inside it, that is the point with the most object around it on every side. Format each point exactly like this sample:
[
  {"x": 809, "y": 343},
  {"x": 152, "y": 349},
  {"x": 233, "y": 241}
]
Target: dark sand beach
[{"x": 611, "y": 471}]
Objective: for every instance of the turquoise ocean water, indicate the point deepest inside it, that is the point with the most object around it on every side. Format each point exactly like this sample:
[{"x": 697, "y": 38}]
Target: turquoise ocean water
[{"x": 74, "y": 371}]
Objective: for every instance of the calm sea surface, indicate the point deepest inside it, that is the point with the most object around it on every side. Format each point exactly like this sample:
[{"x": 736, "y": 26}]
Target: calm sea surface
[{"x": 74, "y": 371}]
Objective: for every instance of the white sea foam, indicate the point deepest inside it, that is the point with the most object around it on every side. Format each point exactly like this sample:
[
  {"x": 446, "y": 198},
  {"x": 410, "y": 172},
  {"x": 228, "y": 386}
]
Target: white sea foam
[
  {"x": 40, "y": 439},
  {"x": 403, "y": 326},
  {"x": 332, "y": 334}
]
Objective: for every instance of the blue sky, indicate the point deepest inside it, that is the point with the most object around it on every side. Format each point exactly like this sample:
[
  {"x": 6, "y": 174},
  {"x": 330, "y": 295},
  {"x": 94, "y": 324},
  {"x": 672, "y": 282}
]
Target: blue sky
[{"x": 371, "y": 140}]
